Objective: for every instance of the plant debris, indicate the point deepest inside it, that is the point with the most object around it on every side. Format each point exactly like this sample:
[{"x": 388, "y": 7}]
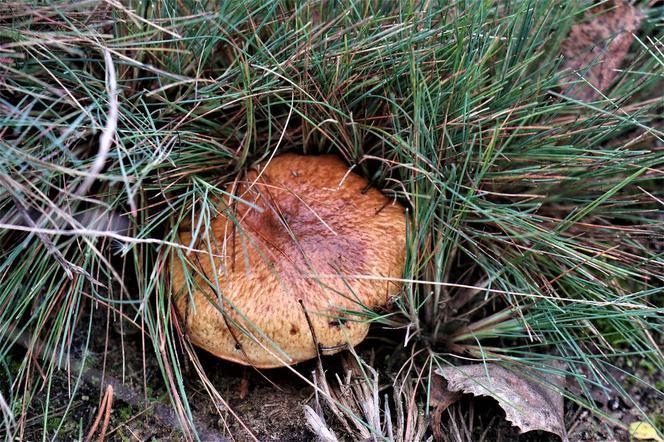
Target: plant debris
[
  {"x": 528, "y": 404},
  {"x": 355, "y": 402},
  {"x": 595, "y": 49},
  {"x": 441, "y": 398},
  {"x": 532, "y": 227},
  {"x": 644, "y": 431}
]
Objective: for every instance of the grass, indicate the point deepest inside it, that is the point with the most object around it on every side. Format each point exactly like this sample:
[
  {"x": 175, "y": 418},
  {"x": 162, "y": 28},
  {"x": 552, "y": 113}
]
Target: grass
[{"x": 536, "y": 221}]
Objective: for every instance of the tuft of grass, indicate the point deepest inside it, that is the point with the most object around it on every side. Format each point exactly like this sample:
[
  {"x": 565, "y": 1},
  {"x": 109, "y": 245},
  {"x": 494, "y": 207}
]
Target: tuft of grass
[{"x": 536, "y": 224}]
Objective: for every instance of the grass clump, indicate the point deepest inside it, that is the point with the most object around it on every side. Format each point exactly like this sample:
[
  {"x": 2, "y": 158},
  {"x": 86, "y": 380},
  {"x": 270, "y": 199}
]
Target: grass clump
[{"x": 536, "y": 220}]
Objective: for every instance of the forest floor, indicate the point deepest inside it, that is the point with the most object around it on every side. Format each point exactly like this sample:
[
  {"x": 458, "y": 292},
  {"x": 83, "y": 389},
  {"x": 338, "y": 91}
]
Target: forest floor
[{"x": 269, "y": 402}]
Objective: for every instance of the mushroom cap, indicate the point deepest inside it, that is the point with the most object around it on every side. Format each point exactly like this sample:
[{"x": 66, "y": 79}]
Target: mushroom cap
[{"x": 274, "y": 283}]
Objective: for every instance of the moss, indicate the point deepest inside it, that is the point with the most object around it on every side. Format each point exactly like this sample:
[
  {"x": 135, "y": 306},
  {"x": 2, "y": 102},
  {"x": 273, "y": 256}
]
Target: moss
[
  {"x": 90, "y": 360},
  {"x": 53, "y": 423},
  {"x": 125, "y": 413},
  {"x": 648, "y": 366},
  {"x": 155, "y": 396},
  {"x": 612, "y": 335},
  {"x": 123, "y": 437},
  {"x": 658, "y": 419},
  {"x": 9, "y": 368}
]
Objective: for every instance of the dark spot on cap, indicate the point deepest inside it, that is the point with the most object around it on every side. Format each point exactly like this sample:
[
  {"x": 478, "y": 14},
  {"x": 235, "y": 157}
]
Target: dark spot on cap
[{"x": 294, "y": 329}]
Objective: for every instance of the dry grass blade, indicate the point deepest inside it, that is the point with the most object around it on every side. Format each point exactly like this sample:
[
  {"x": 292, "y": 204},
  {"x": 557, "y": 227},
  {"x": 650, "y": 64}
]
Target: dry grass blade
[
  {"x": 534, "y": 228},
  {"x": 317, "y": 424},
  {"x": 356, "y": 404},
  {"x": 106, "y": 139},
  {"x": 7, "y": 416}
]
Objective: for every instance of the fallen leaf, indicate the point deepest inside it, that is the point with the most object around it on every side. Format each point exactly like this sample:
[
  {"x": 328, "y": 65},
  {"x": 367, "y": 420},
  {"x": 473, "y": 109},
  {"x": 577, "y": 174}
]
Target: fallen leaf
[
  {"x": 528, "y": 402},
  {"x": 595, "y": 49},
  {"x": 440, "y": 399},
  {"x": 644, "y": 431}
]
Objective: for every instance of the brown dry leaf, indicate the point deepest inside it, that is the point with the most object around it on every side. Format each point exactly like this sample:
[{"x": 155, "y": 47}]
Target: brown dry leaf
[
  {"x": 440, "y": 398},
  {"x": 528, "y": 404},
  {"x": 596, "y": 48}
]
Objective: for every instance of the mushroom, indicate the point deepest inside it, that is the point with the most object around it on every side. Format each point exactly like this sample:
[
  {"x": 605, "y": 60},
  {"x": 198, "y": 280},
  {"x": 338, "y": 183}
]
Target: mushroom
[{"x": 301, "y": 248}]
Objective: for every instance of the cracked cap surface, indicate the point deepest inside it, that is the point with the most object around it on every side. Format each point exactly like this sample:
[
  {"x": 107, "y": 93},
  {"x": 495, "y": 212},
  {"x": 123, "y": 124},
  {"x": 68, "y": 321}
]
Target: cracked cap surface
[{"x": 282, "y": 260}]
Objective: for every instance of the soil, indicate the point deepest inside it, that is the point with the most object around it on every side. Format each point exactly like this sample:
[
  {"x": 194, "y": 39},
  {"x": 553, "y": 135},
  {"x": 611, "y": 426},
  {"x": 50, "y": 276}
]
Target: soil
[{"x": 269, "y": 402}]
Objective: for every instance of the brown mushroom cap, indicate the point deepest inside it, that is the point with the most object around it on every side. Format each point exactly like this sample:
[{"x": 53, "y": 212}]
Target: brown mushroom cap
[{"x": 280, "y": 264}]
